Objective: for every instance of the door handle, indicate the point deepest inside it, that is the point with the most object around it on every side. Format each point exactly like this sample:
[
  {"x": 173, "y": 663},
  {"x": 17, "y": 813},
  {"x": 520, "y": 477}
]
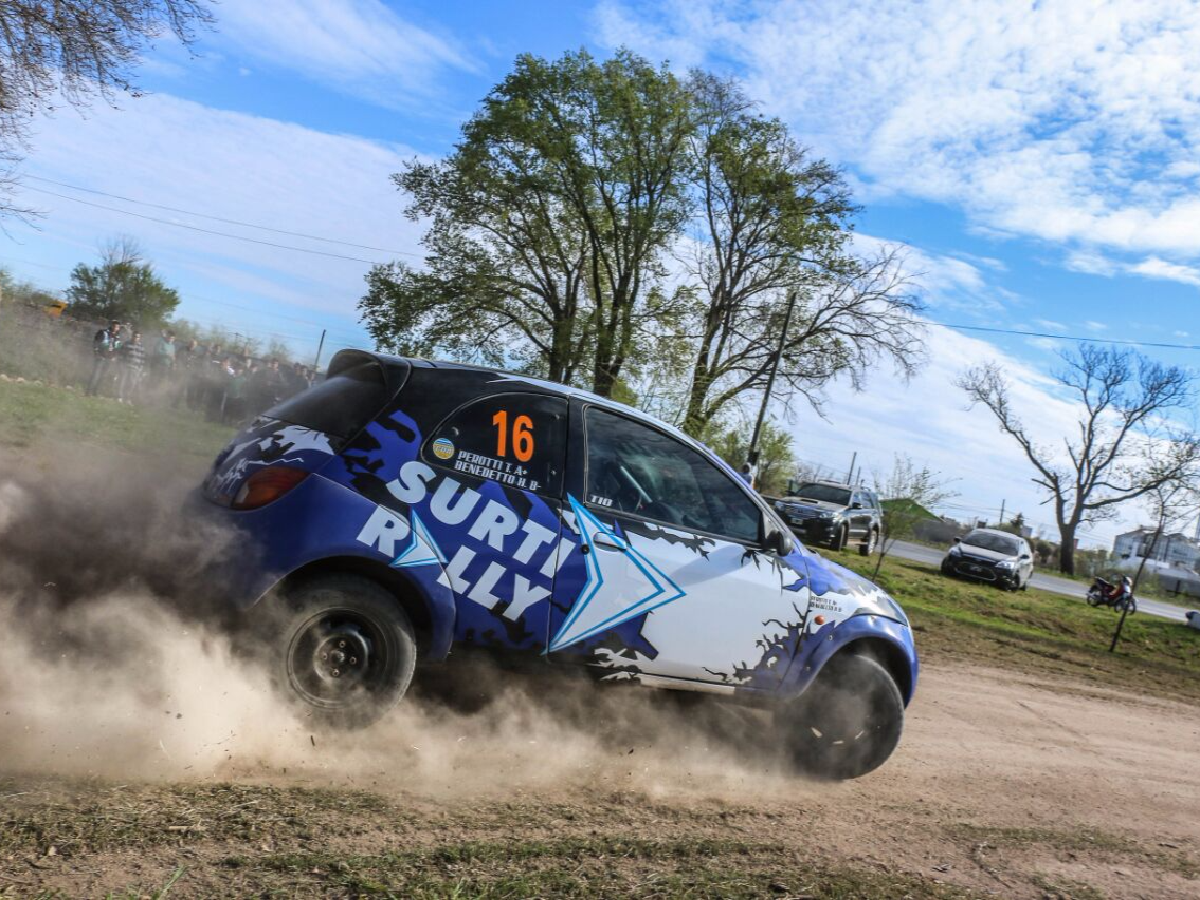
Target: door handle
[{"x": 608, "y": 542}]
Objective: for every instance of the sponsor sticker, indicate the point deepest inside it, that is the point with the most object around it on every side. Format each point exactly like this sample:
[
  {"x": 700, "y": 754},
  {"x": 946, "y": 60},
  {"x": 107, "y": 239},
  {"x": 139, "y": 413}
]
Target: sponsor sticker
[{"x": 443, "y": 448}]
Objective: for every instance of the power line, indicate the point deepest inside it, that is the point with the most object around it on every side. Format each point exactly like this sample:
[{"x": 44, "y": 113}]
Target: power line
[
  {"x": 200, "y": 215},
  {"x": 1066, "y": 337},
  {"x": 236, "y": 237}
]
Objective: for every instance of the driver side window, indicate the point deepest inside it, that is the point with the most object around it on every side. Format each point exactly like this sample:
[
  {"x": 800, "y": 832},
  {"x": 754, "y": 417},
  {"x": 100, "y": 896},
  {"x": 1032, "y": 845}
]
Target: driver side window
[{"x": 635, "y": 469}]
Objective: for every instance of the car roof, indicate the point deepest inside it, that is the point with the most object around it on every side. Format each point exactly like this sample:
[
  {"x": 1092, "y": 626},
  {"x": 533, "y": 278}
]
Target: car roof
[
  {"x": 389, "y": 361},
  {"x": 996, "y": 531},
  {"x": 837, "y": 484}
]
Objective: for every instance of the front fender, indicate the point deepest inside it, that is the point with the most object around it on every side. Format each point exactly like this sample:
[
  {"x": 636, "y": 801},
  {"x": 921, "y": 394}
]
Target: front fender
[{"x": 818, "y": 647}]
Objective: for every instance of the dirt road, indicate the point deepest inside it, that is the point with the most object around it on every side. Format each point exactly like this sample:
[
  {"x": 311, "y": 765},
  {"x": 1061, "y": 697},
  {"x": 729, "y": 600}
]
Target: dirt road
[{"x": 1003, "y": 786}]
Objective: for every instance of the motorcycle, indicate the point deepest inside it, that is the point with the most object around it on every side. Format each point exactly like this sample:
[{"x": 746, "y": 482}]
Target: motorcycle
[{"x": 1118, "y": 596}]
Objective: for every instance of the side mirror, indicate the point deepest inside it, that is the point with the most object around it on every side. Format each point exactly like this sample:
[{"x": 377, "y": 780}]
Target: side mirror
[
  {"x": 1026, "y": 556},
  {"x": 777, "y": 542},
  {"x": 856, "y": 505},
  {"x": 958, "y": 540}
]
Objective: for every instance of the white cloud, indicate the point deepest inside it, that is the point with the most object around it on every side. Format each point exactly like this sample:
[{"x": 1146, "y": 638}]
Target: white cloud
[
  {"x": 360, "y": 47},
  {"x": 1153, "y": 267},
  {"x": 946, "y": 282},
  {"x": 1095, "y": 326},
  {"x": 1050, "y": 325},
  {"x": 1090, "y": 262},
  {"x": 1044, "y": 343},
  {"x": 1073, "y": 122},
  {"x": 163, "y": 150}
]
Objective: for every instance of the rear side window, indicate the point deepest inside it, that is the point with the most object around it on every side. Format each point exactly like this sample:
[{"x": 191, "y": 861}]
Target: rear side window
[
  {"x": 633, "y": 468},
  {"x": 339, "y": 406},
  {"x": 516, "y": 439}
]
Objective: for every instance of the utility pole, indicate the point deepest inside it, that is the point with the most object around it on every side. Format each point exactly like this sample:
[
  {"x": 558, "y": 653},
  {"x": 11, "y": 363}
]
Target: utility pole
[
  {"x": 320, "y": 347},
  {"x": 752, "y": 452},
  {"x": 1002, "y": 504},
  {"x": 853, "y": 460}
]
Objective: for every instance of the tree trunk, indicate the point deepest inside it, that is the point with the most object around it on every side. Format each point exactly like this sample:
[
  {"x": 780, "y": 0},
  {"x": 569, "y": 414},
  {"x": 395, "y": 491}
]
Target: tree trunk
[
  {"x": 1066, "y": 547},
  {"x": 1162, "y": 524}
]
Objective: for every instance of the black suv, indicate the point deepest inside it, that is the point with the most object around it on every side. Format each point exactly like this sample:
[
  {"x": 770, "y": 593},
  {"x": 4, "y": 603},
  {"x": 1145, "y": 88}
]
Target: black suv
[{"x": 832, "y": 514}]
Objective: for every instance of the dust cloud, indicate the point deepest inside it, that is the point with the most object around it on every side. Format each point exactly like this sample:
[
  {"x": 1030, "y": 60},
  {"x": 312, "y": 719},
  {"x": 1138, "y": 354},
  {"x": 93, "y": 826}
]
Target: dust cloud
[{"x": 114, "y": 666}]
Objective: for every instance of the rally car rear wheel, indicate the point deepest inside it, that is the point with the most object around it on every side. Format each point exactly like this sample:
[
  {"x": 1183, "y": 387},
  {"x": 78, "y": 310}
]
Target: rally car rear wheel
[
  {"x": 347, "y": 651},
  {"x": 848, "y": 722}
]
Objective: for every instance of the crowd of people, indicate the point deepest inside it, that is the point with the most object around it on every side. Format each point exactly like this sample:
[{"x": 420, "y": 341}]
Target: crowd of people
[{"x": 223, "y": 385}]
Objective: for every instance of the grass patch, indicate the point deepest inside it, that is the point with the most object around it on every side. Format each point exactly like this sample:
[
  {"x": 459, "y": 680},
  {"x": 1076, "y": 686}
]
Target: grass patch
[
  {"x": 36, "y": 415},
  {"x": 601, "y": 866},
  {"x": 1039, "y": 632},
  {"x": 82, "y": 819}
]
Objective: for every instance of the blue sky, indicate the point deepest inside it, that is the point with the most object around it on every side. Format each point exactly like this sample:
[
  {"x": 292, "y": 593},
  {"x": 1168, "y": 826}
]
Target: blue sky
[{"x": 1038, "y": 161}]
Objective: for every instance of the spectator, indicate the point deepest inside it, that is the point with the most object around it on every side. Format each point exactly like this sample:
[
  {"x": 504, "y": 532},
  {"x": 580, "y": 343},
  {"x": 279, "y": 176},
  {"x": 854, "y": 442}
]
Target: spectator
[
  {"x": 164, "y": 357},
  {"x": 219, "y": 372},
  {"x": 296, "y": 379},
  {"x": 133, "y": 364},
  {"x": 187, "y": 362},
  {"x": 267, "y": 386},
  {"x": 105, "y": 346},
  {"x": 235, "y": 397}
]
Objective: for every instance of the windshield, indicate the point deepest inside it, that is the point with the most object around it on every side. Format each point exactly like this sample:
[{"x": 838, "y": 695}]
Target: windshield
[
  {"x": 825, "y": 492},
  {"x": 997, "y": 543}
]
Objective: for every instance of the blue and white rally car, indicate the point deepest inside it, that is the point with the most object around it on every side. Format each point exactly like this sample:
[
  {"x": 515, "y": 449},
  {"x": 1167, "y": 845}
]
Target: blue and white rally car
[{"x": 402, "y": 508}]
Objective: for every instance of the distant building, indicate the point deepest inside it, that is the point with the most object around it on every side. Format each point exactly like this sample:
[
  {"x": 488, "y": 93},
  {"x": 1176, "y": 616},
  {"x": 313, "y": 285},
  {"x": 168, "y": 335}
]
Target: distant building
[{"x": 1171, "y": 551}]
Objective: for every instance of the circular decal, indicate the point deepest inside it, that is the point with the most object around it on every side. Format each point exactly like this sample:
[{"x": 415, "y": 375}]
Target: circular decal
[{"x": 443, "y": 448}]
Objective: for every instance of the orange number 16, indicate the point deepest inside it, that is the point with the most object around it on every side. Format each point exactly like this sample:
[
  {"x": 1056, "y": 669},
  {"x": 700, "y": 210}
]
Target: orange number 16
[{"x": 522, "y": 435}]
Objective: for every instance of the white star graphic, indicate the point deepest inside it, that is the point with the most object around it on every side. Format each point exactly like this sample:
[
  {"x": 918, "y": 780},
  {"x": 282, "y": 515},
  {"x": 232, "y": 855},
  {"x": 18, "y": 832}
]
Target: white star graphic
[{"x": 633, "y": 587}]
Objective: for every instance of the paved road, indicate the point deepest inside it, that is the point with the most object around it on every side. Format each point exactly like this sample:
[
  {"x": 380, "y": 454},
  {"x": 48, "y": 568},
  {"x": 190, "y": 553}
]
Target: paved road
[{"x": 1044, "y": 582}]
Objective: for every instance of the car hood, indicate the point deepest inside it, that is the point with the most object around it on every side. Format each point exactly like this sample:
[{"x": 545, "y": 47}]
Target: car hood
[
  {"x": 823, "y": 505},
  {"x": 982, "y": 553}
]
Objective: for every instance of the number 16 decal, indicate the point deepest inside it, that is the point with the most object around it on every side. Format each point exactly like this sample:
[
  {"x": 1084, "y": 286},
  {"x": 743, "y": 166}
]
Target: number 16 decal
[{"x": 522, "y": 436}]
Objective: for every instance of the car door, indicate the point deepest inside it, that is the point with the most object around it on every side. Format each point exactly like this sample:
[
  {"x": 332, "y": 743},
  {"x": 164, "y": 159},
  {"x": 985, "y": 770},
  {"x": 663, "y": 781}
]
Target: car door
[
  {"x": 491, "y": 512},
  {"x": 672, "y": 579},
  {"x": 860, "y": 515},
  {"x": 1025, "y": 562}
]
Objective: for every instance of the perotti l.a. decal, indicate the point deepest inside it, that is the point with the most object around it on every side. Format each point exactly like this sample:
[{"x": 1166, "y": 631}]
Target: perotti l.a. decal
[
  {"x": 634, "y": 585},
  {"x": 422, "y": 549}
]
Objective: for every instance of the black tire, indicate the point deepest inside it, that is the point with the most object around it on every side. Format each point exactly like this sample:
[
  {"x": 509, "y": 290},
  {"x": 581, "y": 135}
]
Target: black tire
[
  {"x": 840, "y": 539},
  {"x": 847, "y": 723},
  {"x": 867, "y": 547},
  {"x": 346, "y": 652},
  {"x": 1093, "y": 598}
]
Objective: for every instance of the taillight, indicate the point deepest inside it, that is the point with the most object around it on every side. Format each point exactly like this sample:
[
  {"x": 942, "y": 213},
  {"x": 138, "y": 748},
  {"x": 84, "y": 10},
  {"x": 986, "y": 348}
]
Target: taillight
[{"x": 267, "y": 485}]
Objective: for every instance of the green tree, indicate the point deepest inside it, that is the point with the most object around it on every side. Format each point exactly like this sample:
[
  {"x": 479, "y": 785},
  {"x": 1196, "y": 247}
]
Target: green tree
[
  {"x": 908, "y": 494},
  {"x": 776, "y": 461},
  {"x": 547, "y": 222},
  {"x": 773, "y": 222},
  {"x": 1125, "y": 401},
  {"x": 123, "y": 286}
]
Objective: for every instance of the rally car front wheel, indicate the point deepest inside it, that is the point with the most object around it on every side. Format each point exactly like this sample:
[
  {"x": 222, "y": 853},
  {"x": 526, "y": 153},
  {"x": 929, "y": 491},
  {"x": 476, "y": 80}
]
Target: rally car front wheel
[
  {"x": 346, "y": 652},
  {"x": 847, "y": 722}
]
